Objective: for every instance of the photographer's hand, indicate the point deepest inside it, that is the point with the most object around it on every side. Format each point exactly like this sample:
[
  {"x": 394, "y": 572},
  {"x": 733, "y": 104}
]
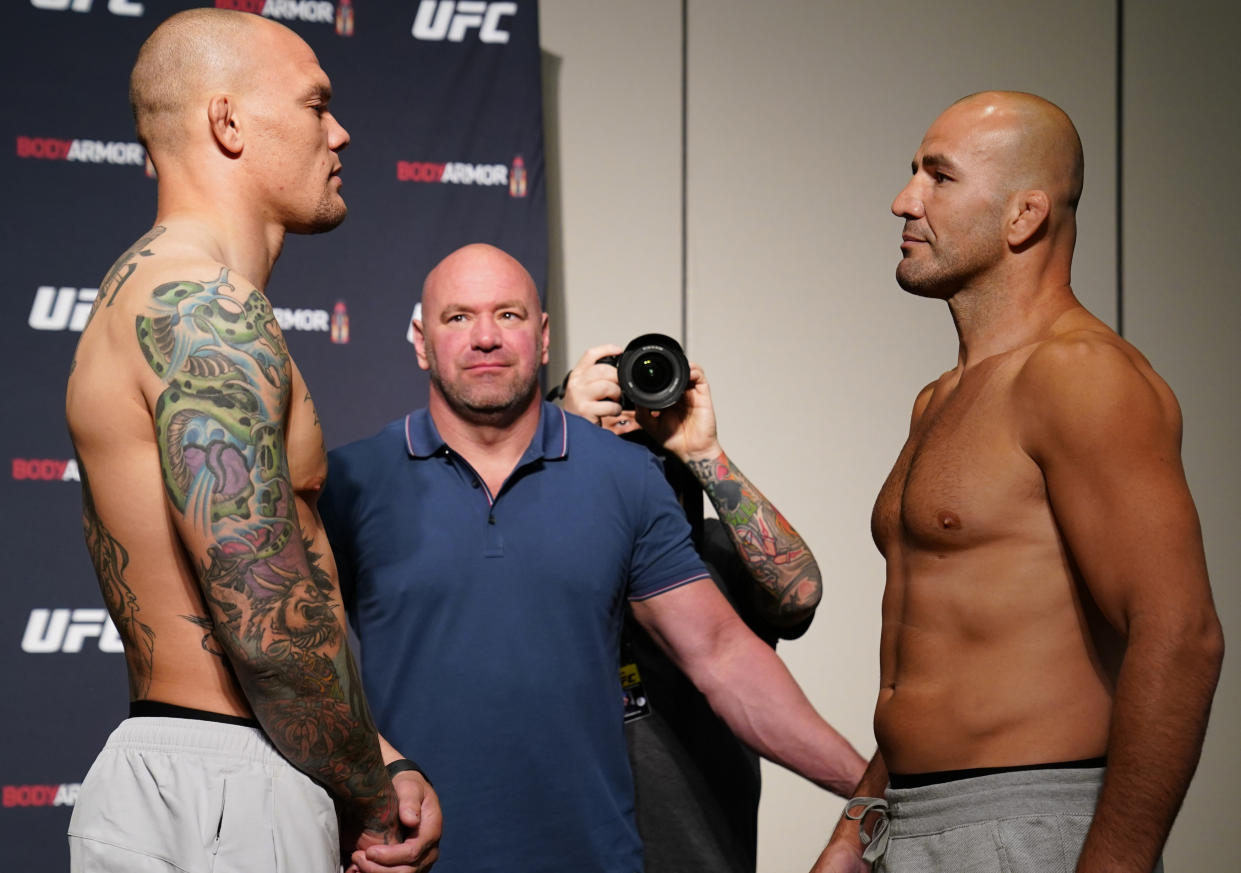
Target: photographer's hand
[
  {"x": 687, "y": 429},
  {"x": 591, "y": 389}
]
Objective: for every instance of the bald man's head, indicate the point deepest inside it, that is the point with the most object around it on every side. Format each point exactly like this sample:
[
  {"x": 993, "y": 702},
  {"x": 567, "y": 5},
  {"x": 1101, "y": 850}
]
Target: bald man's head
[
  {"x": 482, "y": 336},
  {"x": 998, "y": 175},
  {"x": 191, "y": 54},
  {"x": 1037, "y": 144},
  {"x": 482, "y": 265}
]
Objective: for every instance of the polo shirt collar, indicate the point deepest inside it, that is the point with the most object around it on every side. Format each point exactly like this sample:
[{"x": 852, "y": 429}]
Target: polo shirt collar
[{"x": 550, "y": 442}]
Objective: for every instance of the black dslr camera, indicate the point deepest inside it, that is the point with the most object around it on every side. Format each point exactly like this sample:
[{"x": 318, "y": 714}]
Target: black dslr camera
[{"x": 652, "y": 371}]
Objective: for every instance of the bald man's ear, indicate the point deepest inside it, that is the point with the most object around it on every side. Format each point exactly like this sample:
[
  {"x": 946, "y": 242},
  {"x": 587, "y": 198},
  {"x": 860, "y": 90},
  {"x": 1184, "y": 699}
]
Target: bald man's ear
[
  {"x": 1030, "y": 214},
  {"x": 545, "y": 334},
  {"x": 222, "y": 116},
  {"x": 420, "y": 345}
]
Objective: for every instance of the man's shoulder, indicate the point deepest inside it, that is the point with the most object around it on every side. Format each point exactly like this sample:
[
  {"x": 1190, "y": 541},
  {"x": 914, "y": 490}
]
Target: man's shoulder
[
  {"x": 356, "y": 472},
  {"x": 162, "y": 268},
  {"x": 1092, "y": 386},
  {"x": 368, "y": 447},
  {"x": 1091, "y": 359},
  {"x": 587, "y": 440}
]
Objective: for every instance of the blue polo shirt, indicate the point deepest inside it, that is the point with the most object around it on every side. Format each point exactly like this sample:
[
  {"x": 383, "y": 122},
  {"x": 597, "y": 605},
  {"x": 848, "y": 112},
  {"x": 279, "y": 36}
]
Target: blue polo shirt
[{"x": 490, "y": 627}]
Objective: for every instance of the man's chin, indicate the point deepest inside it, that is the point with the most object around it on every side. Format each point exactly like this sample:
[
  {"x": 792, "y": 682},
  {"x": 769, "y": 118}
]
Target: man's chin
[
  {"x": 921, "y": 286},
  {"x": 493, "y": 411},
  {"x": 324, "y": 220}
]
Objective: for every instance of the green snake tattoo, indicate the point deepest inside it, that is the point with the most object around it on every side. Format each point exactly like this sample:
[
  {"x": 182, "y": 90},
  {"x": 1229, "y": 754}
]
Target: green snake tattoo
[{"x": 212, "y": 353}]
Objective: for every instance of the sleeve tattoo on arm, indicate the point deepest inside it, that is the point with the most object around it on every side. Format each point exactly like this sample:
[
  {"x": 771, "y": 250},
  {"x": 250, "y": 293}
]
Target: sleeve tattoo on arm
[
  {"x": 774, "y": 553},
  {"x": 219, "y": 423}
]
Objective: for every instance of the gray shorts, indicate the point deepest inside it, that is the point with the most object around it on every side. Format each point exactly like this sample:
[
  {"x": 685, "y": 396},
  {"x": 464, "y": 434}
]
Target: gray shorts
[
  {"x": 176, "y": 794},
  {"x": 1025, "y": 821}
]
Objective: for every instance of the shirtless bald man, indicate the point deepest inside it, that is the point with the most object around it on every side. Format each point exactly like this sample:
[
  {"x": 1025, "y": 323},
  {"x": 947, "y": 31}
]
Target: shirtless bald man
[
  {"x": 201, "y": 459},
  {"x": 1049, "y": 648}
]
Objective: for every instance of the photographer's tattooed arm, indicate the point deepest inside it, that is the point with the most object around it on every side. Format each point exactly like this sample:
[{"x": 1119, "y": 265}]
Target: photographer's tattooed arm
[
  {"x": 776, "y": 556},
  {"x": 275, "y": 613}
]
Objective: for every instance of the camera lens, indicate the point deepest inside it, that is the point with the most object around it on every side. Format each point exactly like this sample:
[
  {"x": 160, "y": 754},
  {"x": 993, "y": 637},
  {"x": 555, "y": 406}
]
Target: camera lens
[{"x": 653, "y": 371}]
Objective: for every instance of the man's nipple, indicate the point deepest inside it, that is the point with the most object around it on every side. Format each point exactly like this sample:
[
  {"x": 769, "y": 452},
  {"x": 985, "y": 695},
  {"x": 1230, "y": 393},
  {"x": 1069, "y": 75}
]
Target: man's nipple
[{"x": 947, "y": 520}]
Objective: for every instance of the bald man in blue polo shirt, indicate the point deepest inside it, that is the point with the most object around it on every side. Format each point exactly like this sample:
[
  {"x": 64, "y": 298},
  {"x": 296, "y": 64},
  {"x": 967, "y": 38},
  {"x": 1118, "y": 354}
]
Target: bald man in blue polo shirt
[{"x": 487, "y": 545}]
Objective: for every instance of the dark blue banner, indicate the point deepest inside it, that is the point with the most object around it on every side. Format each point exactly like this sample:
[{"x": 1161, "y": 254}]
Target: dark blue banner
[{"x": 442, "y": 101}]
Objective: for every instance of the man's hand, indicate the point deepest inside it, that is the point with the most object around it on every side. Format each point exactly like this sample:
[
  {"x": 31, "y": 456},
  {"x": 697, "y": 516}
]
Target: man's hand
[
  {"x": 421, "y": 823},
  {"x": 843, "y": 853},
  {"x": 592, "y": 390},
  {"x": 688, "y": 428},
  {"x": 840, "y": 857},
  {"x": 355, "y": 832}
]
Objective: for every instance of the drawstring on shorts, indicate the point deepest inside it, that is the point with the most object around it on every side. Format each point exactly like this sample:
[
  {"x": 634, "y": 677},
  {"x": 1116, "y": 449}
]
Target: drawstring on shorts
[{"x": 874, "y": 844}]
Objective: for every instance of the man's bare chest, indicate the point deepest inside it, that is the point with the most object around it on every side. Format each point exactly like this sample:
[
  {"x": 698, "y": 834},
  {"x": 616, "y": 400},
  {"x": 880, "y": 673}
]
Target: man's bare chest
[{"x": 962, "y": 477}]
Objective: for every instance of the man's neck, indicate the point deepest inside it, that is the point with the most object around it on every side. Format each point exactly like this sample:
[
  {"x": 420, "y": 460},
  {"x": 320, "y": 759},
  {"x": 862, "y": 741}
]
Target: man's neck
[
  {"x": 492, "y": 448},
  {"x": 235, "y": 237},
  {"x": 998, "y": 319}
]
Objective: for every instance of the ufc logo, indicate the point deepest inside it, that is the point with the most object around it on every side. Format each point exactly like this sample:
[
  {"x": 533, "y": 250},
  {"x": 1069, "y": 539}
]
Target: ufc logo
[
  {"x": 68, "y": 308},
  {"x": 65, "y": 630},
  {"x": 116, "y": 7},
  {"x": 437, "y": 20}
]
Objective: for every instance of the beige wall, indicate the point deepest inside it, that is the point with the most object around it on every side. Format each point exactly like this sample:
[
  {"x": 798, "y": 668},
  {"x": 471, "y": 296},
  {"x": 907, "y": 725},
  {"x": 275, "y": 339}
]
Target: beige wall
[
  {"x": 1183, "y": 309},
  {"x": 801, "y": 120}
]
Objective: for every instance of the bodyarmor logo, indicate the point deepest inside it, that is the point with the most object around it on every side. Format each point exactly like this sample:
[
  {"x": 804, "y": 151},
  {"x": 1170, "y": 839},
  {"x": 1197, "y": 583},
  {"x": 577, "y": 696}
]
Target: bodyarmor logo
[
  {"x": 65, "y": 630},
  {"x": 255, "y": 6},
  {"x": 517, "y": 178},
  {"x": 315, "y": 11},
  {"x": 301, "y": 319},
  {"x": 64, "y": 309},
  {"x": 65, "y": 794},
  {"x": 437, "y": 20},
  {"x": 116, "y": 7},
  {"x": 452, "y": 173},
  {"x": 88, "y": 151},
  {"x": 46, "y": 470},
  {"x": 318, "y": 11}
]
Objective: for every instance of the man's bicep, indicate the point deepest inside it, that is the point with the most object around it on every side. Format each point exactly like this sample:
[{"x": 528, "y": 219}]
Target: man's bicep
[
  {"x": 1132, "y": 532},
  {"x": 1109, "y": 453},
  {"x": 218, "y": 411},
  {"x": 693, "y": 623},
  {"x": 662, "y": 554}
]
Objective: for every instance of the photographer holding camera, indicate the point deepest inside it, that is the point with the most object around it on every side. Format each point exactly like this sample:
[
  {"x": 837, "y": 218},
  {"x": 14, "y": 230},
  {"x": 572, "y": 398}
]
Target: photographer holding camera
[{"x": 696, "y": 785}]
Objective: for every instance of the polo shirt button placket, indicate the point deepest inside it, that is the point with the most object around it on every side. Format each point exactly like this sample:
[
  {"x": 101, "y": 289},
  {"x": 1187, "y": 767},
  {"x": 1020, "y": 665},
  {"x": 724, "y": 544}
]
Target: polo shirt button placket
[{"x": 493, "y": 542}]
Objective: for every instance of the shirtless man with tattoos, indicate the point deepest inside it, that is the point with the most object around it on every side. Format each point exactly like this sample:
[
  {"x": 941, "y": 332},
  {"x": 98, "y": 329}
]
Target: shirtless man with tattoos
[
  {"x": 249, "y": 739},
  {"x": 1049, "y": 647}
]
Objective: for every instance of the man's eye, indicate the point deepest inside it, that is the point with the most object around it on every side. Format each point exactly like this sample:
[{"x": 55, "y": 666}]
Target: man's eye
[{"x": 940, "y": 177}]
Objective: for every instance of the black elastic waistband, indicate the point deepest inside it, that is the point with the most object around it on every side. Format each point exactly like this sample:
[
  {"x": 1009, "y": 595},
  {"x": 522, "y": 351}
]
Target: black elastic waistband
[
  {"x": 159, "y": 709},
  {"x": 918, "y": 780}
]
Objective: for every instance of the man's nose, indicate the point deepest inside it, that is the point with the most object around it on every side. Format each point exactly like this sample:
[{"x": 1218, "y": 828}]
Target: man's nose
[
  {"x": 485, "y": 335},
  {"x": 338, "y": 137},
  {"x": 908, "y": 203}
]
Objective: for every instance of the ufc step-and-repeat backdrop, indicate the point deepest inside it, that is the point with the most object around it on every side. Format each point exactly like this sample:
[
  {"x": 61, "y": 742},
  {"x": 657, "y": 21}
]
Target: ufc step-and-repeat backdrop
[{"x": 442, "y": 101}]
